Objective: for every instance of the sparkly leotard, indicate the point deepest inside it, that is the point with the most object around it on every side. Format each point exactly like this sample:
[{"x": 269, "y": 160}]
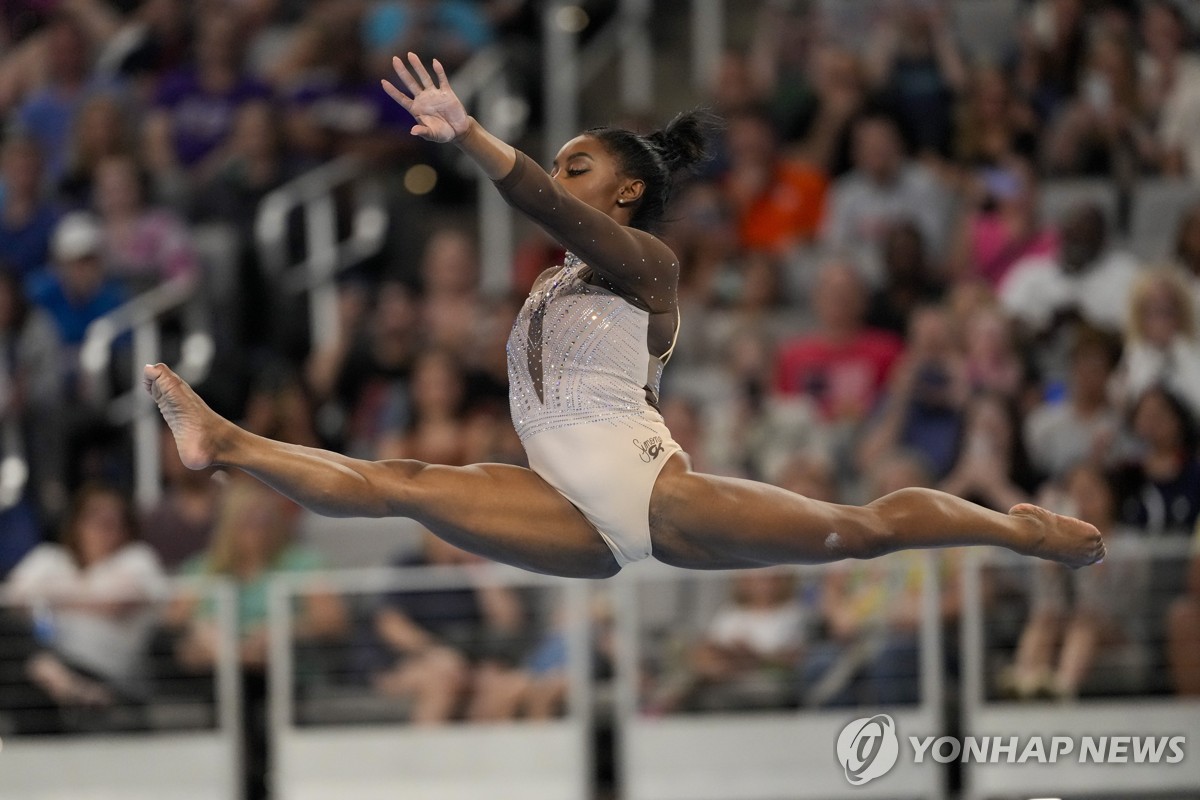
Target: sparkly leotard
[{"x": 583, "y": 385}]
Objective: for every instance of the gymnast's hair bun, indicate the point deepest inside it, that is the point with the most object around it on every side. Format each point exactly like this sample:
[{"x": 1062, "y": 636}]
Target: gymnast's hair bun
[{"x": 683, "y": 143}]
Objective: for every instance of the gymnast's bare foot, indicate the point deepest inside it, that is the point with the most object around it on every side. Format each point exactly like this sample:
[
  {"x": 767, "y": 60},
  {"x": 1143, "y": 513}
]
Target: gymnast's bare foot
[
  {"x": 1059, "y": 538},
  {"x": 193, "y": 423}
]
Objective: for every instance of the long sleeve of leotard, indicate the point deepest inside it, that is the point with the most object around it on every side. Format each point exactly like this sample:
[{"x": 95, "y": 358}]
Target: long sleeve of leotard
[{"x": 636, "y": 262}]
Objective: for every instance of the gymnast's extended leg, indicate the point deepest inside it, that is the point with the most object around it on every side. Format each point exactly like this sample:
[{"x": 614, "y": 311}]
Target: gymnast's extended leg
[
  {"x": 505, "y": 513},
  {"x": 708, "y": 522}
]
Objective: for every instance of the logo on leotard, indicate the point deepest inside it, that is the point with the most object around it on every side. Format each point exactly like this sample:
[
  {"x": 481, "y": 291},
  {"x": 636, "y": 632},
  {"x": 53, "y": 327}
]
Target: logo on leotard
[
  {"x": 867, "y": 748},
  {"x": 651, "y": 448}
]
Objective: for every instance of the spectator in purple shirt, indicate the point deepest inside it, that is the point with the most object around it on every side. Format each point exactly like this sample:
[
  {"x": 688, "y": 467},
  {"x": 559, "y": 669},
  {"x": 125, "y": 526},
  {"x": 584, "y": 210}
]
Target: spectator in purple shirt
[
  {"x": 337, "y": 108},
  {"x": 48, "y": 114},
  {"x": 194, "y": 111}
]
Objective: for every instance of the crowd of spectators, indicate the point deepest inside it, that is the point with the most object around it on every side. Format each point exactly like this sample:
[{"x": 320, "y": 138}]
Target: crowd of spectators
[{"x": 873, "y": 294}]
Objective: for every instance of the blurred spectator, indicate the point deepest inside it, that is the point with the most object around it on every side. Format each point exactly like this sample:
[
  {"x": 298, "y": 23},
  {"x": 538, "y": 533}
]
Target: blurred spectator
[
  {"x": 1183, "y": 641},
  {"x": 704, "y": 235},
  {"x": 1170, "y": 86},
  {"x": 449, "y": 30},
  {"x": 842, "y": 365},
  {"x": 872, "y": 615},
  {"x": 777, "y": 70},
  {"x": 884, "y": 187},
  {"x": 841, "y": 95},
  {"x": 363, "y": 375},
  {"x": 1162, "y": 344},
  {"x": 994, "y": 123},
  {"x": 749, "y": 651},
  {"x": 909, "y": 279},
  {"x": 1084, "y": 424},
  {"x": 993, "y": 361},
  {"x": 454, "y": 651},
  {"x": 143, "y": 246},
  {"x": 1161, "y": 485},
  {"x": 256, "y": 162},
  {"x": 1088, "y": 279},
  {"x": 1187, "y": 249},
  {"x": 1003, "y": 226},
  {"x": 926, "y": 396},
  {"x": 433, "y": 425},
  {"x": 1052, "y": 51},
  {"x": 450, "y": 291},
  {"x": 337, "y": 105},
  {"x": 254, "y": 539},
  {"x": 76, "y": 292},
  {"x": 195, "y": 107},
  {"x": 27, "y": 219},
  {"x": 47, "y": 116},
  {"x": 1101, "y": 130},
  {"x": 992, "y": 467},
  {"x": 279, "y": 407},
  {"x": 178, "y": 527},
  {"x": 19, "y": 533},
  {"x": 754, "y": 429},
  {"x": 91, "y": 604},
  {"x": 682, "y": 416},
  {"x": 779, "y": 204},
  {"x": 916, "y": 67},
  {"x": 31, "y": 392},
  {"x": 101, "y": 130},
  {"x": 1079, "y": 620}
]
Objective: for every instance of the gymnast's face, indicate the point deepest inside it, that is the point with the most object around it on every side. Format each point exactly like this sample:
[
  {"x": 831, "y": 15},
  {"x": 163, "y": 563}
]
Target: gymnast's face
[{"x": 588, "y": 171}]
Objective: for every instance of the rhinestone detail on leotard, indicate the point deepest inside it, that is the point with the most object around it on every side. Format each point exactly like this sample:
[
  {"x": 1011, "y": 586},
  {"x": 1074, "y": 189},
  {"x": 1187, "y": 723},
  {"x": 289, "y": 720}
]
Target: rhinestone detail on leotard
[{"x": 578, "y": 354}]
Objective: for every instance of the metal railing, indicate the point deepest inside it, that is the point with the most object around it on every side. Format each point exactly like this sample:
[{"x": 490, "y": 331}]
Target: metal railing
[
  {"x": 324, "y": 256},
  {"x": 349, "y": 741},
  {"x": 182, "y": 740},
  {"x": 623, "y": 43},
  {"x": 143, "y": 317},
  {"x": 1125, "y": 692},
  {"x": 781, "y": 751}
]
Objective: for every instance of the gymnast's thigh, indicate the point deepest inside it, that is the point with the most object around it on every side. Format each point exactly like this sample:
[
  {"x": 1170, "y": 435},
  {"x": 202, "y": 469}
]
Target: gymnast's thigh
[{"x": 507, "y": 514}]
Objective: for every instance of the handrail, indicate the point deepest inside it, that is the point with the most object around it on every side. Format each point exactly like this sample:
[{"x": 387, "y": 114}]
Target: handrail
[
  {"x": 325, "y": 256},
  {"x": 140, "y": 316},
  {"x": 481, "y": 79},
  {"x": 568, "y": 67}
]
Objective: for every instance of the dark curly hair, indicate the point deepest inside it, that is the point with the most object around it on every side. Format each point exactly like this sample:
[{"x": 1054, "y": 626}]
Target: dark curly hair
[{"x": 657, "y": 158}]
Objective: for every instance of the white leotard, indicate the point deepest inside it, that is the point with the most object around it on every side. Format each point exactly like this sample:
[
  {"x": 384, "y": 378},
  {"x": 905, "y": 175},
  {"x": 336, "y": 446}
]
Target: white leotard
[{"x": 583, "y": 385}]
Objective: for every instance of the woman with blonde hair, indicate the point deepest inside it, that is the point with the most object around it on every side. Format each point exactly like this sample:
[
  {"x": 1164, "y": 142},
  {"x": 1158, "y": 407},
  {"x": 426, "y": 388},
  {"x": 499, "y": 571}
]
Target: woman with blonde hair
[
  {"x": 1161, "y": 344},
  {"x": 252, "y": 541}
]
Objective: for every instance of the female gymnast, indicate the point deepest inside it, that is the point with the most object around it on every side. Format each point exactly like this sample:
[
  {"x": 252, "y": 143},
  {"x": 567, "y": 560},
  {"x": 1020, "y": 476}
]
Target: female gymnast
[{"x": 606, "y": 484}]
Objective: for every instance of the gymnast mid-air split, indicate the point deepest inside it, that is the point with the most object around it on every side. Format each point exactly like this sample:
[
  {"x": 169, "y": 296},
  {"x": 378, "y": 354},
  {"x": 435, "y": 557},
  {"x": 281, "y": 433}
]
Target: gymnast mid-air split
[{"x": 606, "y": 484}]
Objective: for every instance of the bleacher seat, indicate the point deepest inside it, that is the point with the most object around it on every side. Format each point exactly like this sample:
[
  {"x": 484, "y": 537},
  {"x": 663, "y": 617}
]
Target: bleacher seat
[
  {"x": 1158, "y": 207},
  {"x": 1059, "y": 196}
]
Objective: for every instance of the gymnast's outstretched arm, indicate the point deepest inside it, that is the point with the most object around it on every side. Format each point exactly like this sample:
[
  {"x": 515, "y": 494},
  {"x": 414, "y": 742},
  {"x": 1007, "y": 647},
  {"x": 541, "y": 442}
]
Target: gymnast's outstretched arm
[{"x": 638, "y": 264}]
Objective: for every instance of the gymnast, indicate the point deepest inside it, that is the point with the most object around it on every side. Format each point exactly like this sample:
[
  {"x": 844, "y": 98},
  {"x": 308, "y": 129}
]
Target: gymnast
[{"x": 606, "y": 484}]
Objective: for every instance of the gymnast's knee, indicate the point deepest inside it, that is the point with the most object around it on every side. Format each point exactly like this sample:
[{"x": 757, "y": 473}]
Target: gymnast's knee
[{"x": 883, "y": 521}]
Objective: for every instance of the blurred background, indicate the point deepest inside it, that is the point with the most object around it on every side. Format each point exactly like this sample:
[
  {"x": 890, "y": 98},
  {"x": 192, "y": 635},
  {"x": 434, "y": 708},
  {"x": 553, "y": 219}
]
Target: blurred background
[{"x": 947, "y": 244}]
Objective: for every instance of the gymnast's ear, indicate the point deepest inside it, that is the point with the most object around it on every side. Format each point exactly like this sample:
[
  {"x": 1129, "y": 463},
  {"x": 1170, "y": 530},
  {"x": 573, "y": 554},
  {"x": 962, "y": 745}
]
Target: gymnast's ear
[{"x": 630, "y": 192}]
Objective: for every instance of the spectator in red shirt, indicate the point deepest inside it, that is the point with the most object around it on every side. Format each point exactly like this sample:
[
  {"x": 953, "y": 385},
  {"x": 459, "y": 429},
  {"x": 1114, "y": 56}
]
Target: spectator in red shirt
[
  {"x": 843, "y": 364},
  {"x": 778, "y": 203}
]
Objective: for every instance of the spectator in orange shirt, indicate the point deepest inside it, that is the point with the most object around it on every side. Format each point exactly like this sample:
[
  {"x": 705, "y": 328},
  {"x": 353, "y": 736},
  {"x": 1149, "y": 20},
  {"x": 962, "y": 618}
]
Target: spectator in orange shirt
[{"x": 778, "y": 203}]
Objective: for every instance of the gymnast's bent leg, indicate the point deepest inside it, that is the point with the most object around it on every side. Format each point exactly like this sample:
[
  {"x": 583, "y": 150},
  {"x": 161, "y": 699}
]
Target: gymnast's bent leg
[
  {"x": 707, "y": 522},
  {"x": 504, "y": 513}
]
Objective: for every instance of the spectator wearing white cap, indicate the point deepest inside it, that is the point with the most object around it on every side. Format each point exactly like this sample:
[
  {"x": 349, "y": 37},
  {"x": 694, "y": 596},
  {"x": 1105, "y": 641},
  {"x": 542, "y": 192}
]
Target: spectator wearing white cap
[{"x": 75, "y": 291}]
